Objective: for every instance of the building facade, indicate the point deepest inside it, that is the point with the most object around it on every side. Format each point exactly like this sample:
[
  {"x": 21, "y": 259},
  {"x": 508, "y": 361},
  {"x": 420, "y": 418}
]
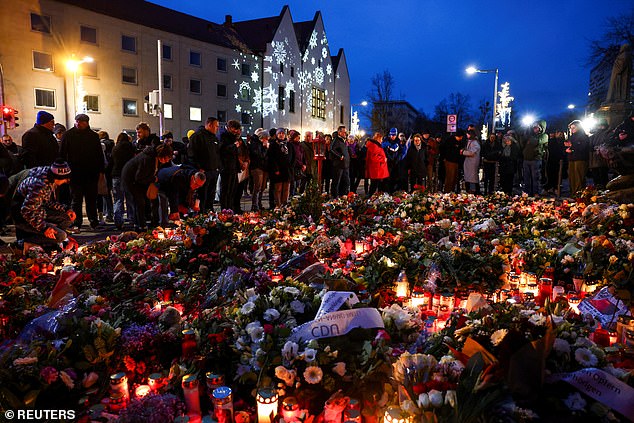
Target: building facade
[{"x": 207, "y": 69}]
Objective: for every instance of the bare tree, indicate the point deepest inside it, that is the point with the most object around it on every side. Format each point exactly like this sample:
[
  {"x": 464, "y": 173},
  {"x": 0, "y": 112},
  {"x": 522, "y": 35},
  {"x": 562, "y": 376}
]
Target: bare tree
[
  {"x": 381, "y": 93},
  {"x": 455, "y": 104},
  {"x": 619, "y": 30}
]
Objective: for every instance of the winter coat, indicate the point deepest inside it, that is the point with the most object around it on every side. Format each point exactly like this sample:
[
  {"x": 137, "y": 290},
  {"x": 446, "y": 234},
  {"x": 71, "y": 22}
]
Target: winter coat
[
  {"x": 203, "y": 150},
  {"x": 229, "y": 153},
  {"x": 450, "y": 150},
  {"x": 40, "y": 147},
  {"x": 82, "y": 150},
  {"x": 139, "y": 172},
  {"x": 490, "y": 151},
  {"x": 375, "y": 161},
  {"x": 152, "y": 140},
  {"x": 280, "y": 160},
  {"x": 180, "y": 152},
  {"x": 339, "y": 151},
  {"x": 309, "y": 157},
  {"x": 122, "y": 153},
  {"x": 173, "y": 181},
  {"x": 417, "y": 160},
  {"x": 534, "y": 146},
  {"x": 597, "y": 139},
  {"x": 580, "y": 149},
  {"x": 508, "y": 159},
  {"x": 471, "y": 165},
  {"x": 39, "y": 194}
]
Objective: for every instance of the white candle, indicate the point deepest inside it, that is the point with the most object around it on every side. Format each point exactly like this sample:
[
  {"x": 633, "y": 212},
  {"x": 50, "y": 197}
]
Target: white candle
[{"x": 267, "y": 405}]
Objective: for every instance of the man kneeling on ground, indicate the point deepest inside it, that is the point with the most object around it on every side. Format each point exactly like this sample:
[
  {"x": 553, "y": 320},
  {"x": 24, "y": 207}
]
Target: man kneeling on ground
[{"x": 38, "y": 218}]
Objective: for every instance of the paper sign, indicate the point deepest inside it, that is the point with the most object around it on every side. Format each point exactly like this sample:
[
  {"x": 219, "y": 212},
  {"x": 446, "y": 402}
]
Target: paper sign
[
  {"x": 333, "y": 300},
  {"x": 338, "y": 323},
  {"x": 604, "y": 307}
]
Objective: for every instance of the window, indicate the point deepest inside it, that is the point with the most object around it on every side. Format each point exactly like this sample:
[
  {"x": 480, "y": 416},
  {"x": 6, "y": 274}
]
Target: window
[
  {"x": 246, "y": 69},
  {"x": 167, "y": 82},
  {"x": 91, "y": 103},
  {"x": 222, "y": 115},
  {"x": 167, "y": 52},
  {"x": 195, "y": 114},
  {"x": 292, "y": 71},
  {"x": 319, "y": 103},
  {"x": 167, "y": 110},
  {"x": 245, "y": 119},
  {"x": 221, "y": 64},
  {"x": 42, "y": 61},
  {"x": 44, "y": 98},
  {"x": 89, "y": 69},
  {"x": 341, "y": 114},
  {"x": 291, "y": 101},
  {"x": 195, "y": 86},
  {"x": 88, "y": 34},
  {"x": 281, "y": 67},
  {"x": 40, "y": 23},
  {"x": 128, "y": 43},
  {"x": 128, "y": 75},
  {"x": 280, "y": 98},
  {"x": 245, "y": 93},
  {"x": 221, "y": 90},
  {"x": 195, "y": 58},
  {"x": 130, "y": 107}
]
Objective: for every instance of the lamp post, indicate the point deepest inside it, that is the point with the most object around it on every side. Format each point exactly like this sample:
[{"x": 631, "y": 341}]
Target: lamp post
[
  {"x": 471, "y": 70},
  {"x": 73, "y": 65},
  {"x": 354, "y": 125}
]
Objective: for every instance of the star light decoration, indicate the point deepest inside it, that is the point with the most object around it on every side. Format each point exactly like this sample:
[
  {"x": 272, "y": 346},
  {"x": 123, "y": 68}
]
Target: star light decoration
[
  {"x": 236, "y": 63},
  {"x": 290, "y": 86},
  {"x": 328, "y": 69},
  {"x": 238, "y": 108},
  {"x": 255, "y": 76},
  {"x": 324, "y": 52},
  {"x": 503, "y": 108}
]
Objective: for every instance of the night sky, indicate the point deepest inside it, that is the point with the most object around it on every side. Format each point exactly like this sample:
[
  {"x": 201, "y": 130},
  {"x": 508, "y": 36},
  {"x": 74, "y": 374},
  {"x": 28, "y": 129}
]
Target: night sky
[{"x": 539, "y": 46}]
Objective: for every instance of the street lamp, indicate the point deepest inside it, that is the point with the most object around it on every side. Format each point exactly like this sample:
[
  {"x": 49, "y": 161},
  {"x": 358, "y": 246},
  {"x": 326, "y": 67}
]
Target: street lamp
[
  {"x": 73, "y": 65},
  {"x": 471, "y": 70},
  {"x": 354, "y": 123}
]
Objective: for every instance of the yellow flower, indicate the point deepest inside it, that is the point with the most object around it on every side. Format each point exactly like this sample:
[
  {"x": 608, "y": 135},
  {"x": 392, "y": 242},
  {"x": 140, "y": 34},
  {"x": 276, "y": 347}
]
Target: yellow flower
[{"x": 613, "y": 259}]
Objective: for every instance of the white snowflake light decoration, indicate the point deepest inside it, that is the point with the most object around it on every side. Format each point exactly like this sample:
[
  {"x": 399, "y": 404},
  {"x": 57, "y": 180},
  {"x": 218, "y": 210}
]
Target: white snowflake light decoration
[
  {"x": 244, "y": 85},
  {"x": 313, "y": 39},
  {"x": 268, "y": 69},
  {"x": 305, "y": 58},
  {"x": 236, "y": 63},
  {"x": 265, "y": 101},
  {"x": 268, "y": 58},
  {"x": 279, "y": 51},
  {"x": 303, "y": 79},
  {"x": 238, "y": 108},
  {"x": 319, "y": 76},
  {"x": 324, "y": 52},
  {"x": 324, "y": 40},
  {"x": 312, "y": 61},
  {"x": 328, "y": 69},
  {"x": 255, "y": 76}
]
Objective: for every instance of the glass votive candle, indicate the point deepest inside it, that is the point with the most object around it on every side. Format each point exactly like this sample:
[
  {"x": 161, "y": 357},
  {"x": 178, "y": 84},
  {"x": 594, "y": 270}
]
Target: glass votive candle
[
  {"x": 394, "y": 414},
  {"x": 290, "y": 409},
  {"x": 142, "y": 391},
  {"x": 222, "y": 398},
  {"x": 266, "y": 399},
  {"x": 155, "y": 381}
]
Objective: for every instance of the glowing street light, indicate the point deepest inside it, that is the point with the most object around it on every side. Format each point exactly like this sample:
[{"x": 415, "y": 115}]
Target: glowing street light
[
  {"x": 73, "y": 65},
  {"x": 471, "y": 70},
  {"x": 571, "y": 106},
  {"x": 528, "y": 120}
]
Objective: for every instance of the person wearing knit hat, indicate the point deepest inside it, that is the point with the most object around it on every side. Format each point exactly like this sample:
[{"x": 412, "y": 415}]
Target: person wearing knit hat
[
  {"x": 39, "y": 144},
  {"x": 190, "y": 133},
  {"x": 39, "y": 218}
]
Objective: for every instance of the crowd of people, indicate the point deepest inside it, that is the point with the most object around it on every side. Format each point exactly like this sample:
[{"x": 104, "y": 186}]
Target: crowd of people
[{"x": 55, "y": 174}]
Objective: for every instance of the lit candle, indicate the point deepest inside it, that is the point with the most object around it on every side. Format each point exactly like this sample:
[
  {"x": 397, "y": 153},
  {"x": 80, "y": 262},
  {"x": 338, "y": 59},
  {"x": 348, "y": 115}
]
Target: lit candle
[
  {"x": 191, "y": 394},
  {"x": 359, "y": 247},
  {"x": 222, "y": 399},
  {"x": 557, "y": 291},
  {"x": 418, "y": 299},
  {"x": 267, "y": 405},
  {"x": 613, "y": 338},
  {"x": 277, "y": 276},
  {"x": 290, "y": 409},
  {"x": 394, "y": 414},
  {"x": 155, "y": 381},
  {"x": 142, "y": 390},
  {"x": 402, "y": 285}
]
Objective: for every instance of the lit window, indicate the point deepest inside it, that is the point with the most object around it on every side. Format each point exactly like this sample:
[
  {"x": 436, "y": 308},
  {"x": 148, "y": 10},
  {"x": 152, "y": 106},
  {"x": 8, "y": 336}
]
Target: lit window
[
  {"x": 195, "y": 114},
  {"x": 130, "y": 107},
  {"x": 42, "y": 61},
  {"x": 319, "y": 103},
  {"x": 91, "y": 103},
  {"x": 44, "y": 98},
  {"x": 167, "y": 111}
]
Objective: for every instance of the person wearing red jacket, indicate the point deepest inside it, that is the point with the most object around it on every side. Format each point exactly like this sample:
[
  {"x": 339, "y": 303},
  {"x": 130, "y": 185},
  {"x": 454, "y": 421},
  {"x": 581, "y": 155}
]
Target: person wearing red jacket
[{"x": 375, "y": 163}]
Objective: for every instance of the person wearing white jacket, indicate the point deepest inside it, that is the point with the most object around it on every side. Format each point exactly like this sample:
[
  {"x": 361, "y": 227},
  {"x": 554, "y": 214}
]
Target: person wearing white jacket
[{"x": 471, "y": 166}]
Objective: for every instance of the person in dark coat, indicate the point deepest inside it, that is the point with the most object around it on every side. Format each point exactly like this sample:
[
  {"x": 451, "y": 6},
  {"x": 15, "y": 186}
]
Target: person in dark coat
[
  {"x": 597, "y": 164},
  {"x": 178, "y": 186},
  {"x": 376, "y": 169},
  {"x": 280, "y": 167},
  {"x": 122, "y": 152},
  {"x": 243, "y": 173},
  {"x": 104, "y": 199},
  {"x": 311, "y": 164},
  {"x": 258, "y": 152},
  {"x": 137, "y": 175},
  {"x": 578, "y": 150},
  {"x": 490, "y": 155},
  {"x": 230, "y": 165},
  {"x": 392, "y": 148},
  {"x": 16, "y": 152},
  {"x": 508, "y": 162},
  {"x": 38, "y": 218},
  {"x": 340, "y": 163},
  {"x": 450, "y": 151},
  {"x": 39, "y": 144},
  {"x": 82, "y": 150},
  {"x": 144, "y": 137},
  {"x": 556, "y": 152},
  {"x": 416, "y": 160},
  {"x": 203, "y": 152},
  {"x": 299, "y": 162}
]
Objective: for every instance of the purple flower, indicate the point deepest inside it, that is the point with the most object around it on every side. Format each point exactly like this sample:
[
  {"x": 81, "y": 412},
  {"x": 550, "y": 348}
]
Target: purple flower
[
  {"x": 152, "y": 409},
  {"x": 137, "y": 338}
]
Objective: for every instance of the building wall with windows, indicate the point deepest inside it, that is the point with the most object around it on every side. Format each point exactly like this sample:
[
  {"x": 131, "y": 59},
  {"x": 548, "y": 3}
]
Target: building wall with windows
[
  {"x": 208, "y": 69},
  {"x": 342, "y": 90}
]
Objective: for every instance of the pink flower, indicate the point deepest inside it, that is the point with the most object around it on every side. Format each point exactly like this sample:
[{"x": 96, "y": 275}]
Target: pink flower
[
  {"x": 89, "y": 379},
  {"x": 49, "y": 374}
]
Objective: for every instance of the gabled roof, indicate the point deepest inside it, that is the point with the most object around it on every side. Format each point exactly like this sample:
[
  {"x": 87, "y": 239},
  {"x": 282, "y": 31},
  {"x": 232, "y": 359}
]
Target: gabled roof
[
  {"x": 259, "y": 32},
  {"x": 303, "y": 30},
  {"x": 141, "y": 12}
]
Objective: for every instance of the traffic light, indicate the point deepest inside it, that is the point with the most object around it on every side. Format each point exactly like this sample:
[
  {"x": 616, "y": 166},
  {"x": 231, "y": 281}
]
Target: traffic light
[{"x": 9, "y": 117}]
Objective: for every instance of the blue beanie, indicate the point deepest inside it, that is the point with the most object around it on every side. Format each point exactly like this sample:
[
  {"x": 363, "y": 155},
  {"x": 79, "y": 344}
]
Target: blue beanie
[
  {"x": 43, "y": 117},
  {"x": 393, "y": 131}
]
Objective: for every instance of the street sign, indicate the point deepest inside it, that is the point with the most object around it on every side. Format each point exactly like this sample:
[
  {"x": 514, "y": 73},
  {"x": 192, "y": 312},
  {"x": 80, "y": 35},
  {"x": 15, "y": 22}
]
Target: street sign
[
  {"x": 451, "y": 128},
  {"x": 452, "y": 122}
]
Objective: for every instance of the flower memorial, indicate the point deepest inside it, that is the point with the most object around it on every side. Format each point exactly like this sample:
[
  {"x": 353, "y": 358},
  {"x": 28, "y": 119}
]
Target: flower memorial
[{"x": 408, "y": 308}]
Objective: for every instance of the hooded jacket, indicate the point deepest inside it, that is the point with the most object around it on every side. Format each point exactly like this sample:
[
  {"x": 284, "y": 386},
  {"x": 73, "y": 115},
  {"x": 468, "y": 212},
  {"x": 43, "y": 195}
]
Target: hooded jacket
[
  {"x": 39, "y": 194},
  {"x": 534, "y": 146}
]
